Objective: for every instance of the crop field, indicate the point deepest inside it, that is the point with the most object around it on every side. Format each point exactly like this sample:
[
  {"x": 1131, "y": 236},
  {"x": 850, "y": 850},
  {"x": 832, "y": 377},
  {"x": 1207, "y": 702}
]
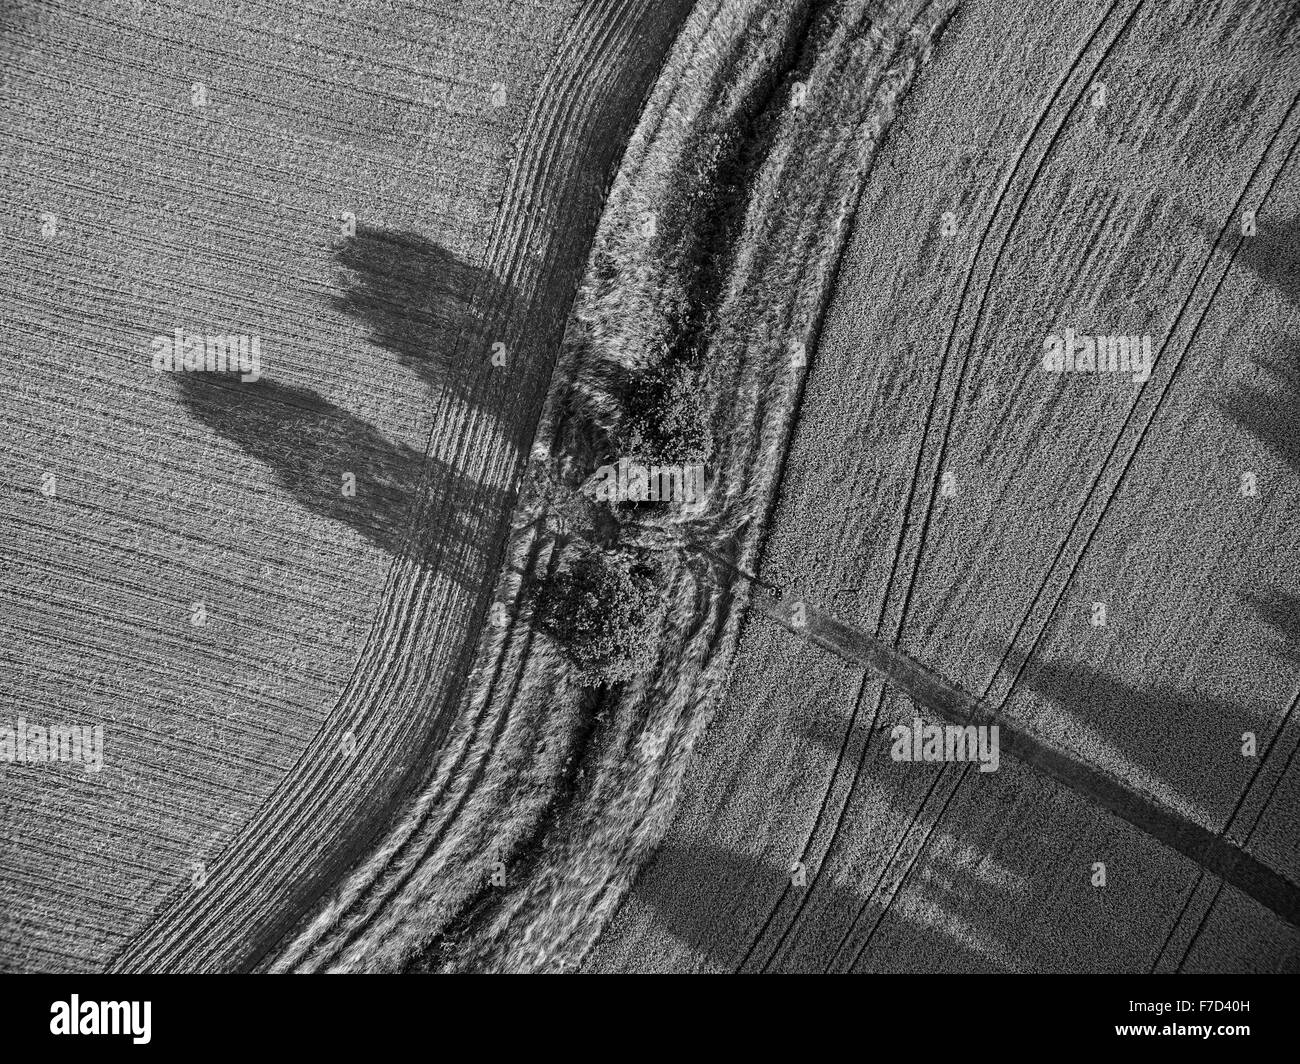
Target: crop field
[
  {"x": 322, "y": 321},
  {"x": 1135, "y": 175},
  {"x": 549, "y": 795},
  {"x": 379, "y": 193}
]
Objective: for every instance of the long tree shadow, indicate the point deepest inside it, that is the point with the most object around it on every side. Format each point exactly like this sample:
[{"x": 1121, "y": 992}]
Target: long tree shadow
[
  {"x": 318, "y": 452},
  {"x": 960, "y": 896},
  {"x": 430, "y": 308},
  {"x": 1191, "y": 744},
  {"x": 1271, "y": 412},
  {"x": 1268, "y": 411},
  {"x": 1117, "y": 716},
  {"x": 1273, "y": 253},
  {"x": 963, "y": 907},
  {"x": 1150, "y": 724},
  {"x": 712, "y": 899},
  {"x": 1282, "y": 612}
]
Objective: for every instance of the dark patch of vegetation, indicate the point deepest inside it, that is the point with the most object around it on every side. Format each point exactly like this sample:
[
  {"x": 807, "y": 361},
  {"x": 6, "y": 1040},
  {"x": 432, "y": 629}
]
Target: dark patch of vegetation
[
  {"x": 665, "y": 409},
  {"x": 666, "y": 418},
  {"x": 605, "y": 611}
]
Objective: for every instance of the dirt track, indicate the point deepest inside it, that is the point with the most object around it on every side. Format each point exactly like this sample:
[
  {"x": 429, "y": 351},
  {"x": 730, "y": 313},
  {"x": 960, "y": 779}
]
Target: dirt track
[{"x": 1069, "y": 491}]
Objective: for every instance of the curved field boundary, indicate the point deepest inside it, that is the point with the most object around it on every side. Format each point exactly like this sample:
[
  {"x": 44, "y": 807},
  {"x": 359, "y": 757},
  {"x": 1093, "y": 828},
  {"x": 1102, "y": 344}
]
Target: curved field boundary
[
  {"x": 407, "y": 685},
  {"x": 1090, "y": 47},
  {"x": 436, "y": 859},
  {"x": 561, "y": 795},
  {"x": 168, "y": 215}
]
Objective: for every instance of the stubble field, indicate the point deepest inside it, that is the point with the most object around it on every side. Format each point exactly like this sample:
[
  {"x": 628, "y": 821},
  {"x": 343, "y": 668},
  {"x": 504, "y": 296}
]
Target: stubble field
[
  {"x": 1063, "y": 491},
  {"x": 379, "y": 193}
]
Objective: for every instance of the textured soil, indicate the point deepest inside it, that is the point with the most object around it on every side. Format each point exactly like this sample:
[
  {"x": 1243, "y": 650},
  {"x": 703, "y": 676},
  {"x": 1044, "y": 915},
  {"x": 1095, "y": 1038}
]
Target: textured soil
[
  {"x": 206, "y": 167},
  {"x": 1066, "y": 490}
]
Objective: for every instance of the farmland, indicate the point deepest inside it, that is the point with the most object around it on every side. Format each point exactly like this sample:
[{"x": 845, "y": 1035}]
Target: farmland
[
  {"x": 944, "y": 492},
  {"x": 989, "y": 315},
  {"x": 380, "y": 193}
]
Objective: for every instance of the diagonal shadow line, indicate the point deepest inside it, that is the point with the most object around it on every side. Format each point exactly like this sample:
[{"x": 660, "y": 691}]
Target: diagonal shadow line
[
  {"x": 1282, "y": 612},
  {"x": 1273, "y": 254},
  {"x": 309, "y": 444},
  {"x": 696, "y": 890},
  {"x": 930, "y": 691},
  {"x": 426, "y": 305},
  {"x": 1112, "y": 703},
  {"x": 417, "y": 299},
  {"x": 1268, "y": 411}
]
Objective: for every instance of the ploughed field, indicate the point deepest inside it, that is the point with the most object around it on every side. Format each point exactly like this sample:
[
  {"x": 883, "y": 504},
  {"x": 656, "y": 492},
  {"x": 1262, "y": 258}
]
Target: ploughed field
[
  {"x": 1108, "y": 556},
  {"x": 267, "y": 592}
]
